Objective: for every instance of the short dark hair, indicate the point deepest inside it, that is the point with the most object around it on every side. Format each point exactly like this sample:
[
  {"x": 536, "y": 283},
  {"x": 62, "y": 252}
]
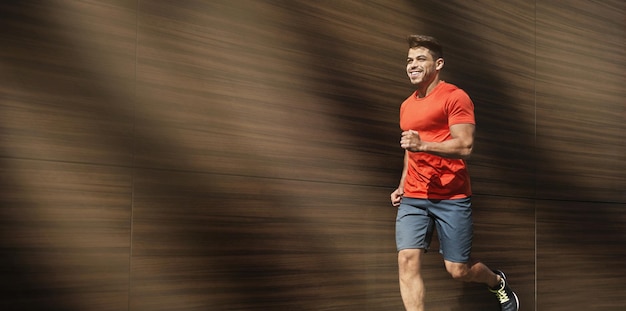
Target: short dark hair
[{"x": 435, "y": 48}]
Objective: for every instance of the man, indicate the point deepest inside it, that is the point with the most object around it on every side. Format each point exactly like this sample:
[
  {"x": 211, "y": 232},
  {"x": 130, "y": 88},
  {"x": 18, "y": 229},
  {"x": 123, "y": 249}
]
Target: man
[{"x": 434, "y": 192}]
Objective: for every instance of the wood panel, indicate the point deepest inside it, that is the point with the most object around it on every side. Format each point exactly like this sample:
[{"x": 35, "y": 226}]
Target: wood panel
[
  {"x": 257, "y": 97},
  {"x": 206, "y": 241},
  {"x": 580, "y": 153},
  {"x": 64, "y": 236},
  {"x": 235, "y": 89},
  {"x": 580, "y": 101},
  {"x": 580, "y": 255},
  {"x": 66, "y": 97},
  {"x": 251, "y": 146},
  {"x": 67, "y": 80}
]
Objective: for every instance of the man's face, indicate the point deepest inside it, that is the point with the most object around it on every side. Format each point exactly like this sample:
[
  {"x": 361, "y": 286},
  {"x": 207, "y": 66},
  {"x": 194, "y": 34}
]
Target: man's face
[{"x": 421, "y": 67}]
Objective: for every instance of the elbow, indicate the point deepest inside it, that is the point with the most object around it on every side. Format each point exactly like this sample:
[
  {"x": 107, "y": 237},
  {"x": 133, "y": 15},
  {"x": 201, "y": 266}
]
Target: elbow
[{"x": 466, "y": 152}]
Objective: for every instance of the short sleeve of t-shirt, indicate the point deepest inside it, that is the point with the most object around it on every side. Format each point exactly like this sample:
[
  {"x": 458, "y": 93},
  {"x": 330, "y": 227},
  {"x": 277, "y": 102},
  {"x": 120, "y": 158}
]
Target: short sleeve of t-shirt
[{"x": 460, "y": 108}]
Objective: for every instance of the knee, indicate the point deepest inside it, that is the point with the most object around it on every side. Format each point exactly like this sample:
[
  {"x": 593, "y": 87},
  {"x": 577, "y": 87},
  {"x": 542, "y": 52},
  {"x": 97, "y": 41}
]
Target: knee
[
  {"x": 458, "y": 271},
  {"x": 409, "y": 261}
]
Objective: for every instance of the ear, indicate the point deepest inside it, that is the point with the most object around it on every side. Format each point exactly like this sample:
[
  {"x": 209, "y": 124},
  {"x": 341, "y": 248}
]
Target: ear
[{"x": 439, "y": 63}]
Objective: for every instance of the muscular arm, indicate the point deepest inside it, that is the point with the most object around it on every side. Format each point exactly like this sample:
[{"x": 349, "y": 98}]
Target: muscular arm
[{"x": 459, "y": 147}]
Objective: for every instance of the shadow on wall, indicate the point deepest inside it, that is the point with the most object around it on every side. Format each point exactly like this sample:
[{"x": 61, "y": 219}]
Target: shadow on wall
[
  {"x": 496, "y": 66},
  {"x": 55, "y": 128},
  {"x": 301, "y": 247},
  {"x": 280, "y": 255}
]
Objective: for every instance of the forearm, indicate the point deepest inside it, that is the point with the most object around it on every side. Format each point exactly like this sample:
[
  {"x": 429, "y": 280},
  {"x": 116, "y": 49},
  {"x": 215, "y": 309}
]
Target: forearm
[
  {"x": 396, "y": 195},
  {"x": 459, "y": 146},
  {"x": 454, "y": 148},
  {"x": 405, "y": 168}
]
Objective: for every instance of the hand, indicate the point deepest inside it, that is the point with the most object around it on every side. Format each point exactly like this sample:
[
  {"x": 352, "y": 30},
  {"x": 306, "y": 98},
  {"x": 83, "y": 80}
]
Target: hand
[
  {"x": 396, "y": 197},
  {"x": 411, "y": 140}
]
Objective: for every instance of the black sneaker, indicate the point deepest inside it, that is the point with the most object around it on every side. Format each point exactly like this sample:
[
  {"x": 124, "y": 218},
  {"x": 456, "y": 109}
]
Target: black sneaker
[{"x": 506, "y": 296}]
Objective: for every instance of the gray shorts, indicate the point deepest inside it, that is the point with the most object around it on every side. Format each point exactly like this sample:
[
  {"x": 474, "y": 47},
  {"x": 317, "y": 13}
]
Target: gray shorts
[{"x": 417, "y": 218}]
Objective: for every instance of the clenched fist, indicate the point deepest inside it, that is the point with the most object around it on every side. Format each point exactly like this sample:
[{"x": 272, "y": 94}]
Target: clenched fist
[
  {"x": 396, "y": 197},
  {"x": 411, "y": 141}
]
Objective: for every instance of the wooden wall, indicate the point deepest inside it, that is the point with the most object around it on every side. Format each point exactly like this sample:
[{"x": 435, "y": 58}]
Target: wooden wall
[{"x": 239, "y": 155}]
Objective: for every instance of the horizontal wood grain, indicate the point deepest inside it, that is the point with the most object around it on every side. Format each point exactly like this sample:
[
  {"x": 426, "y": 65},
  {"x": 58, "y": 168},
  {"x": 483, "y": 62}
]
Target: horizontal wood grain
[
  {"x": 65, "y": 232},
  {"x": 580, "y": 255},
  {"x": 67, "y": 81},
  {"x": 580, "y": 105},
  {"x": 245, "y": 243},
  {"x": 239, "y": 155}
]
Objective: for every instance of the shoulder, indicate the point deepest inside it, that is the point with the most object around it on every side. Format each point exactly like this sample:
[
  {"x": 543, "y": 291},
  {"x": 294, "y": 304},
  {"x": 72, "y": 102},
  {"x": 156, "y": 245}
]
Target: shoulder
[
  {"x": 452, "y": 90},
  {"x": 454, "y": 94}
]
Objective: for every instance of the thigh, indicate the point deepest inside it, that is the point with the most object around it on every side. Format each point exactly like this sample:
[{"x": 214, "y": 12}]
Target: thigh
[
  {"x": 454, "y": 228},
  {"x": 414, "y": 226}
]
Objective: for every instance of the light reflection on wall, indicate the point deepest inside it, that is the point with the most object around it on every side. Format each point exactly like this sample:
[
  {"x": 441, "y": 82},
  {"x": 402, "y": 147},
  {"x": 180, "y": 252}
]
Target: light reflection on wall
[{"x": 239, "y": 155}]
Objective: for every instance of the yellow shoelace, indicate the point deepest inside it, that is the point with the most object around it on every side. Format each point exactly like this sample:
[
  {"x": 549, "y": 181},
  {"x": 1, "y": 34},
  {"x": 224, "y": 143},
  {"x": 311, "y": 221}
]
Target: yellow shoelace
[{"x": 501, "y": 294}]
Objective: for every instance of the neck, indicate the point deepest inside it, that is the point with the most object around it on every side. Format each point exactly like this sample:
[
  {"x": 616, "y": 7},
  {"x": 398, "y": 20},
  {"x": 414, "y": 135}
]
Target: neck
[{"x": 424, "y": 90}]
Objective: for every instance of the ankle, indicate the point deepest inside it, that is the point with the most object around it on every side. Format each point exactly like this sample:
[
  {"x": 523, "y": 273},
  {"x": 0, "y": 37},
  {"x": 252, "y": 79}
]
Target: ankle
[{"x": 497, "y": 284}]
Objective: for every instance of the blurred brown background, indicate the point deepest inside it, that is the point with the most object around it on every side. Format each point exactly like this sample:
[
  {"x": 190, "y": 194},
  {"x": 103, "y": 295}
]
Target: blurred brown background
[{"x": 239, "y": 155}]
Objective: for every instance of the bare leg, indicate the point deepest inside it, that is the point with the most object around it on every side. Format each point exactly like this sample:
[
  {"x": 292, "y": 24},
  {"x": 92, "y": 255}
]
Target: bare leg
[
  {"x": 475, "y": 271},
  {"x": 472, "y": 271},
  {"x": 411, "y": 282}
]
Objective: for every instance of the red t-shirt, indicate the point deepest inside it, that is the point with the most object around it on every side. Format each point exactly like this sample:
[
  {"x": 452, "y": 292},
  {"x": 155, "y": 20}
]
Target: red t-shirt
[{"x": 431, "y": 176}]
